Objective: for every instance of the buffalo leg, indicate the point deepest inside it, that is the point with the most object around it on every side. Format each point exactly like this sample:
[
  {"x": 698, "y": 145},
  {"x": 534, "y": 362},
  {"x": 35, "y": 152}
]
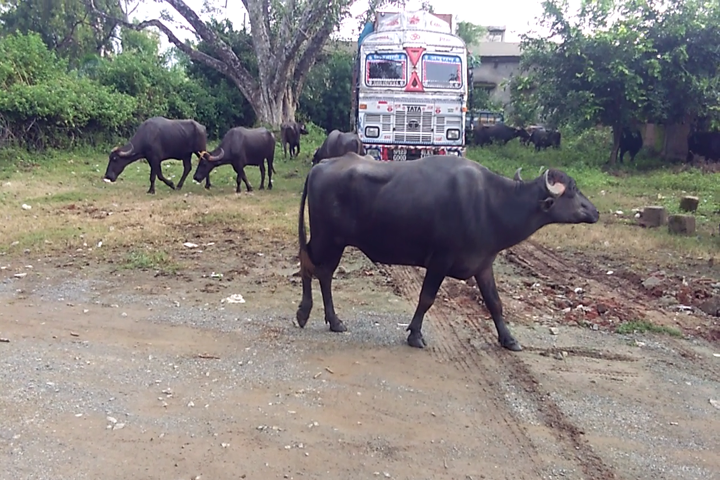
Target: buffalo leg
[
  {"x": 428, "y": 292},
  {"x": 324, "y": 273},
  {"x": 306, "y": 304},
  {"x": 262, "y": 174},
  {"x": 486, "y": 283},
  {"x": 187, "y": 166},
  {"x": 241, "y": 176},
  {"x": 158, "y": 168}
]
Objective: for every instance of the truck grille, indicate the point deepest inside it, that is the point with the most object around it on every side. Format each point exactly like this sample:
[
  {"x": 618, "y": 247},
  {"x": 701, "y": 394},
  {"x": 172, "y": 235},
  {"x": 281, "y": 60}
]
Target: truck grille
[
  {"x": 414, "y": 127},
  {"x": 384, "y": 121}
]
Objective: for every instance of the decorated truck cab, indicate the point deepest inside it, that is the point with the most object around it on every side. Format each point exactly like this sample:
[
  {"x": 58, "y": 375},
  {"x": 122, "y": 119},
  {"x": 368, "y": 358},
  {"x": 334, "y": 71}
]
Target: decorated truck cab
[{"x": 411, "y": 87}]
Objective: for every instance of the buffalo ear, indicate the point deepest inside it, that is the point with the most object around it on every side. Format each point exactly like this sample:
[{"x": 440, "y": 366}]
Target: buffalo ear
[{"x": 547, "y": 204}]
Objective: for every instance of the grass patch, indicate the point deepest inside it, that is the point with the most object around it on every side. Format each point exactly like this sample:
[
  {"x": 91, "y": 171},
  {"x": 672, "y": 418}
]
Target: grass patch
[
  {"x": 642, "y": 326},
  {"x": 150, "y": 260}
]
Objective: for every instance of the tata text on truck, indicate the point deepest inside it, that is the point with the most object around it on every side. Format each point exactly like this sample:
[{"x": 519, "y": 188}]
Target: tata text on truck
[{"x": 412, "y": 87}]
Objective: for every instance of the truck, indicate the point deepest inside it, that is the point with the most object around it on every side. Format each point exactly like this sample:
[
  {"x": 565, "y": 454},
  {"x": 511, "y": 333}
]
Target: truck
[{"x": 410, "y": 87}]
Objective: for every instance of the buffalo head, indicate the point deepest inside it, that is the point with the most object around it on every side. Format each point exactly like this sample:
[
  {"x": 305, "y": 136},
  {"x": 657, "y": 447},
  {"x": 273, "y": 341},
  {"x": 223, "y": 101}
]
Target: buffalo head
[
  {"x": 118, "y": 160},
  {"x": 561, "y": 201},
  {"x": 207, "y": 162},
  {"x": 302, "y": 129}
]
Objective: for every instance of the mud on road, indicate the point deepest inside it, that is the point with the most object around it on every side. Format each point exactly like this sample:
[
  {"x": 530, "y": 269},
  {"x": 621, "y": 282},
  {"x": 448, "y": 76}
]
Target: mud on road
[{"x": 112, "y": 373}]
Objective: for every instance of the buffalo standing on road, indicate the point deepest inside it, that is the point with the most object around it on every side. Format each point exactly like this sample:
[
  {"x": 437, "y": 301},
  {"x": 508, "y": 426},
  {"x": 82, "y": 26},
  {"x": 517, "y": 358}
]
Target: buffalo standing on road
[
  {"x": 240, "y": 147},
  {"x": 338, "y": 144},
  {"x": 705, "y": 144},
  {"x": 290, "y": 135},
  {"x": 442, "y": 212},
  {"x": 158, "y": 139},
  {"x": 631, "y": 142},
  {"x": 500, "y": 133}
]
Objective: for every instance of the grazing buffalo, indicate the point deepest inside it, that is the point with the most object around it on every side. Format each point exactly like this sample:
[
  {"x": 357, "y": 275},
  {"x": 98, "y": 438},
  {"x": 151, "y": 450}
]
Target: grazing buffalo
[
  {"x": 705, "y": 144},
  {"x": 499, "y": 132},
  {"x": 525, "y": 140},
  {"x": 158, "y": 139},
  {"x": 543, "y": 138},
  {"x": 290, "y": 135},
  {"x": 240, "y": 147},
  {"x": 442, "y": 212},
  {"x": 338, "y": 144},
  {"x": 630, "y": 141}
]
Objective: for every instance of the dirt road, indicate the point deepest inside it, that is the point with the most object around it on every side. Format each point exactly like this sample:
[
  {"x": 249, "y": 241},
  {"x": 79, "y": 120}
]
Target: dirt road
[{"x": 126, "y": 374}]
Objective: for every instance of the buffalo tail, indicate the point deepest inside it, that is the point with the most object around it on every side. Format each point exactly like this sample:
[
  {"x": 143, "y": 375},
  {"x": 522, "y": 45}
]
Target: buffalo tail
[{"x": 306, "y": 265}]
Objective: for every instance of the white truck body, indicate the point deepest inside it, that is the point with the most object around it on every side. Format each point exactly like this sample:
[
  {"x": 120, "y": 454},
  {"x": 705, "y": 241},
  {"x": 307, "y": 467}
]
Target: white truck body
[{"x": 412, "y": 88}]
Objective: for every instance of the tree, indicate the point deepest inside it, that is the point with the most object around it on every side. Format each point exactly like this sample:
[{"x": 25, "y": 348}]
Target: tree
[
  {"x": 687, "y": 39},
  {"x": 69, "y": 27},
  {"x": 596, "y": 69},
  {"x": 286, "y": 36}
]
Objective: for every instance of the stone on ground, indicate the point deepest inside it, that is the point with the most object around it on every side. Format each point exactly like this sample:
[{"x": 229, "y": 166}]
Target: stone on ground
[
  {"x": 689, "y": 203},
  {"x": 684, "y": 224},
  {"x": 654, "y": 216}
]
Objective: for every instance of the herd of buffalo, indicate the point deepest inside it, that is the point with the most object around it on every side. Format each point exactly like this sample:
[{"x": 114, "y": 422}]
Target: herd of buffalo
[
  {"x": 704, "y": 144},
  {"x": 446, "y": 213}
]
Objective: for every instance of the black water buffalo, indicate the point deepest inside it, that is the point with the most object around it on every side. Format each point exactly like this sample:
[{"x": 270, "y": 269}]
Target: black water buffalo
[
  {"x": 338, "y": 144},
  {"x": 705, "y": 144},
  {"x": 240, "y": 147},
  {"x": 158, "y": 139},
  {"x": 500, "y": 133},
  {"x": 525, "y": 140},
  {"x": 290, "y": 135},
  {"x": 631, "y": 142},
  {"x": 543, "y": 138},
  {"x": 442, "y": 212}
]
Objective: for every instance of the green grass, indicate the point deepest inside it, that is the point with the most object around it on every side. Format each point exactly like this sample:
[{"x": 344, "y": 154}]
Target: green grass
[
  {"x": 150, "y": 260},
  {"x": 64, "y": 188},
  {"x": 642, "y": 326}
]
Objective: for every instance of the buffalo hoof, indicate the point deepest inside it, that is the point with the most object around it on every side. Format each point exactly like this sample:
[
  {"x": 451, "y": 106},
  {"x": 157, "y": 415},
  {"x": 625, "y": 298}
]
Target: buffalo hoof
[
  {"x": 270, "y": 186},
  {"x": 302, "y": 316},
  {"x": 262, "y": 187},
  {"x": 415, "y": 339},
  {"x": 207, "y": 187},
  {"x": 337, "y": 326},
  {"x": 511, "y": 344},
  {"x": 151, "y": 191}
]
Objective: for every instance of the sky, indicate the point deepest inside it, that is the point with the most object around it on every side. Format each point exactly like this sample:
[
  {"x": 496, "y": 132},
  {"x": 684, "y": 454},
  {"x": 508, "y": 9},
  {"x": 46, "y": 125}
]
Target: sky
[{"x": 518, "y": 16}]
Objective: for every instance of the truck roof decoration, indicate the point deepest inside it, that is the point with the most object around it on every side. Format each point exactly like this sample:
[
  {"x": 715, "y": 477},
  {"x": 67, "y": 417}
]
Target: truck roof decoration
[{"x": 417, "y": 20}]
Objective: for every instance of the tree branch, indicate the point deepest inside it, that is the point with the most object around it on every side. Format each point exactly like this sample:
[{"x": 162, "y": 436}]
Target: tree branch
[
  {"x": 317, "y": 13},
  {"x": 307, "y": 59},
  {"x": 260, "y": 30},
  {"x": 228, "y": 64}
]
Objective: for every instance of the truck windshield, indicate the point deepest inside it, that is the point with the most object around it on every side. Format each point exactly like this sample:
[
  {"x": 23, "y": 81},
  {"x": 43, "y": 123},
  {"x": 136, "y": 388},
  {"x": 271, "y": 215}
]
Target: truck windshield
[
  {"x": 386, "y": 70},
  {"x": 442, "y": 71}
]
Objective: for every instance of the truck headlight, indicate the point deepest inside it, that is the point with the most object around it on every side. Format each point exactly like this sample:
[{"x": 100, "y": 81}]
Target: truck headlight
[
  {"x": 453, "y": 134},
  {"x": 372, "y": 132}
]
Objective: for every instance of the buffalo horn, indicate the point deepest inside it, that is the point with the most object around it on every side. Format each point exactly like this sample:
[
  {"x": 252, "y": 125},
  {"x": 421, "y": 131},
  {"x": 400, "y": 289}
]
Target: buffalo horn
[
  {"x": 517, "y": 175},
  {"x": 214, "y": 159},
  {"x": 125, "y": 154},
  {"x": 556, "y": 189}
]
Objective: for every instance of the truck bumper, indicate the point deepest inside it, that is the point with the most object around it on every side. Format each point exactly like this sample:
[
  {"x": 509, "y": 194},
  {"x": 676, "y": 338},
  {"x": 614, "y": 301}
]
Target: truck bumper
[{"x": 410, "y": 152}]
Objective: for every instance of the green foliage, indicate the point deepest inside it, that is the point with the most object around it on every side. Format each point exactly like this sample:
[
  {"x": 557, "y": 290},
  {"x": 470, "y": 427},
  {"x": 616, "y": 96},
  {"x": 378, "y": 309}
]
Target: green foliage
[
  {"x": 621, "y": 61},
  {"x": 327, "y": 94},
  {"x": 643, "y": 326},
  {"x": 43, "y": 104},
  {"x": 67, "y": 27}
]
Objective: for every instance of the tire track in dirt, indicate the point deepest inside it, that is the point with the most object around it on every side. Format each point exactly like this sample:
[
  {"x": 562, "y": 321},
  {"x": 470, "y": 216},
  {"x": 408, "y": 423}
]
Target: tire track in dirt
[
  {"x": 449, "y": 346},
  {"x": 454, "y": 316},
  {"x": 547, "y": 265}
]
